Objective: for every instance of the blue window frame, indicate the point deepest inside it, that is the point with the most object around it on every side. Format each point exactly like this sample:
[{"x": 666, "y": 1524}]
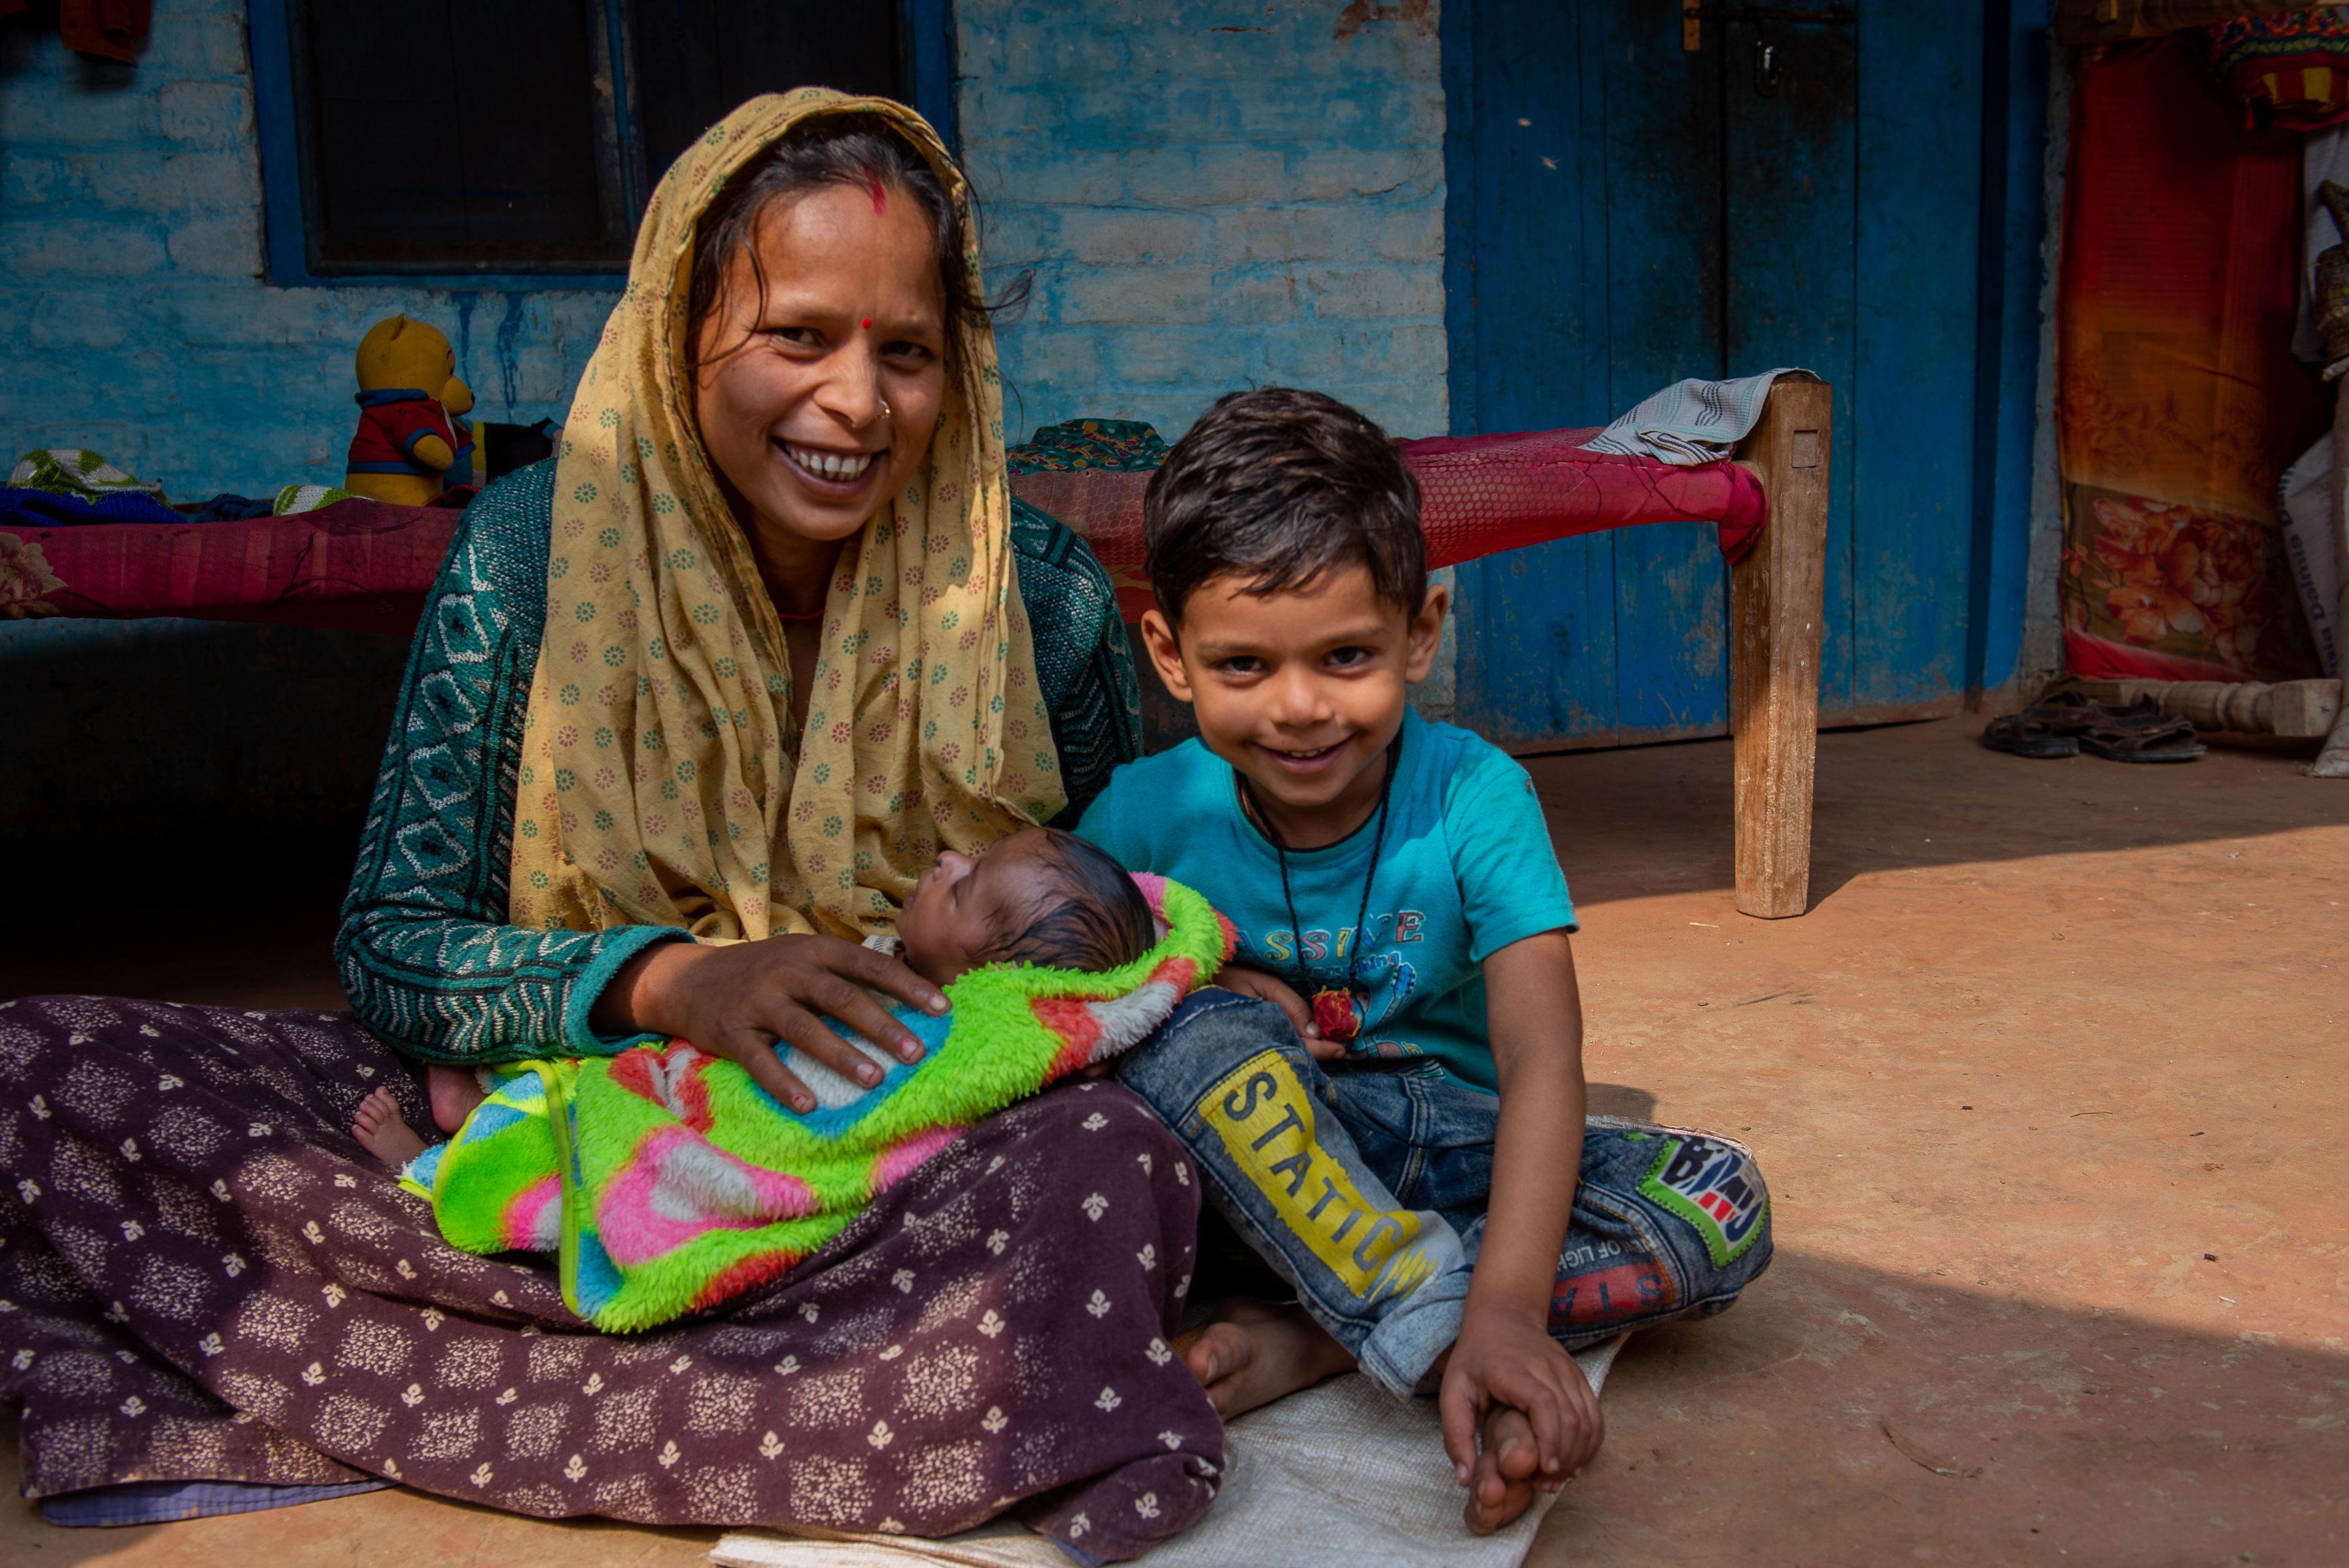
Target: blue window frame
[{"x": 463, "y": 144}]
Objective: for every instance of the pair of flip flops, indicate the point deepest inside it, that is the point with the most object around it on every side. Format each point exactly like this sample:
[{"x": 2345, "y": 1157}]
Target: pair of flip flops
[{"x": 2067, "y": 722}]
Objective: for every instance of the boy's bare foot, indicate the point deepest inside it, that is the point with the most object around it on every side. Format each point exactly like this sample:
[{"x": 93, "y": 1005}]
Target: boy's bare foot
[
  {"x": 383, "y": 1132},
  {"x": 1502, "y": 1484},
  {"x": 1252, "y": 1352},
  {"x": 455, "y": 1094}
]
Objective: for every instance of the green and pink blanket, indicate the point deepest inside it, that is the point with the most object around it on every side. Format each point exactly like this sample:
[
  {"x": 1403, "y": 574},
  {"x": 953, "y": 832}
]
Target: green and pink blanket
[{"x": 667, "y": 1181}]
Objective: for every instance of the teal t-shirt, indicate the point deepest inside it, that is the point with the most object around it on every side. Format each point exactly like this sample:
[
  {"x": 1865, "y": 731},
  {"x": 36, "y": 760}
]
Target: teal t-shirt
[{"x": 1467, "y": 868}]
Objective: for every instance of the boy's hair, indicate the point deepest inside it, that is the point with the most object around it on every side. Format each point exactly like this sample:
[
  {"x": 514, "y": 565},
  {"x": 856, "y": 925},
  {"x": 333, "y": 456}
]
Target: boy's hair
[
  {"x": 1275, "y": 487},
  {"x": 1092, "y": 917}
]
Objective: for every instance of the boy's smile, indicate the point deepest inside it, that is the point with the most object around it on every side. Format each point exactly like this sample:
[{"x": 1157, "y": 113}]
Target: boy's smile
[{"x": 1301, "y": 690}]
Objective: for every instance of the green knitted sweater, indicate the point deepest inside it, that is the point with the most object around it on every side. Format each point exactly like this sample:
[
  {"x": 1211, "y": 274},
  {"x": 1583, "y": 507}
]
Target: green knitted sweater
[{"x": 427, "y": 957}]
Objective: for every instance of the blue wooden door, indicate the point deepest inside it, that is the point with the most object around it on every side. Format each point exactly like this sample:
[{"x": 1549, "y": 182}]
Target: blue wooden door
[{"x": 1625, "y": 211}]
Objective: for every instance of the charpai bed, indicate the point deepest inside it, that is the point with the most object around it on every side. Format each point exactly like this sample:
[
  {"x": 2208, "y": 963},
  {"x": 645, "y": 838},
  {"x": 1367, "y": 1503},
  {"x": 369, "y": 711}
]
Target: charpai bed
[{"x": 366, "y": 565}]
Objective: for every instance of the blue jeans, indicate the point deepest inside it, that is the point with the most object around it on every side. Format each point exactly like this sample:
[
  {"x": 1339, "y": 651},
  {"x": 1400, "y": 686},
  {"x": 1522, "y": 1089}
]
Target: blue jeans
[{"x": 1365, "y": 1185}]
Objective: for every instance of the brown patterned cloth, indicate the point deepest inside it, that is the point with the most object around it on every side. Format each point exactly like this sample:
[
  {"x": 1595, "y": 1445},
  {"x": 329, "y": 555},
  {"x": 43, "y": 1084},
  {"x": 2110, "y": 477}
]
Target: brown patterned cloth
[{"x": 203, "y": 1278}]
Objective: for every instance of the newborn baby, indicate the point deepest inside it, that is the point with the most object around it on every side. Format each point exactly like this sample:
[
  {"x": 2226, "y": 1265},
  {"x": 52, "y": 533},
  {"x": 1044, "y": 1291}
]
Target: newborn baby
[{"x": 1040, "y": 896}]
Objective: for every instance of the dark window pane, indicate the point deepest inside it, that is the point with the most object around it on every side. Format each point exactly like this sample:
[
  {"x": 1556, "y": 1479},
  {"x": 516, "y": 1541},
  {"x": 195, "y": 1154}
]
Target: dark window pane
[
  {"x": 455, "y": 137},
  {"x": 696, "y": 59}
]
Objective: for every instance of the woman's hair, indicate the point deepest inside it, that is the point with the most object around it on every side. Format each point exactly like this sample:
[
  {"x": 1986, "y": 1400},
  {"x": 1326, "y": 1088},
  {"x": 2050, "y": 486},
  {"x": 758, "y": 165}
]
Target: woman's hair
[
  {"x": 1091, "y": 918},
  {"x": 863, "y": 151}
]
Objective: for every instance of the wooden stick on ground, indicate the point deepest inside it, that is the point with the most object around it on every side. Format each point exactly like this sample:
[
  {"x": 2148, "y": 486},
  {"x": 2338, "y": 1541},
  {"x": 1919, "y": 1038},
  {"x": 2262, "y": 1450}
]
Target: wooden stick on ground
[{"x": 1774, "y": 596}]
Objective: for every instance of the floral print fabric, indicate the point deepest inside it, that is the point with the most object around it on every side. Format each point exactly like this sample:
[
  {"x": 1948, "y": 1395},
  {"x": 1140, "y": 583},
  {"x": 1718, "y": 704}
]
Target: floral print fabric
[
  {"x": 2177, "y": 400},
  {"x": 2182, "y": 580},
  {"x": 201, "y": 1277}
]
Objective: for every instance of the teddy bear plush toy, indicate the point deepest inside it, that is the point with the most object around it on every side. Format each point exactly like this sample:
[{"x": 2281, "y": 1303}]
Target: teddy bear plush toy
[{"x": 413, "y": 441}]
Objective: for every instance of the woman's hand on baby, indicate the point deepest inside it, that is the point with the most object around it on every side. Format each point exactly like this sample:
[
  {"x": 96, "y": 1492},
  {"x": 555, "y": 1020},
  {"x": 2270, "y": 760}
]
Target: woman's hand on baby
[
  {"x": 1241, "y": 980},
  {"x": 738, "y": 1001}
]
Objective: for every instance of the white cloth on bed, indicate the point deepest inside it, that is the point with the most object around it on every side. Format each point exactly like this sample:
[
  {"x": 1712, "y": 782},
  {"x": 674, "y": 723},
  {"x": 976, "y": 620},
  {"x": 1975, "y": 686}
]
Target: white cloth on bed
[{"x": 1691, "y": 422}]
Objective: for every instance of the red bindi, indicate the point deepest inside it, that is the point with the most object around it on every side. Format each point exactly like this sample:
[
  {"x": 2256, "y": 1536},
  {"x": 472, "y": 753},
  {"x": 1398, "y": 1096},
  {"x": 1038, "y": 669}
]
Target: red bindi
[{"x": 868, "y": 323}]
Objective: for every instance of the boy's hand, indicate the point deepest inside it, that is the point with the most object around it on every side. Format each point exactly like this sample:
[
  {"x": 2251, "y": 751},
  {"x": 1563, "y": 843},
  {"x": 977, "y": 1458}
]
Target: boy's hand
[
  {"x": 1502, "y": 1359},
  {"x": 1241, "y": 980}
]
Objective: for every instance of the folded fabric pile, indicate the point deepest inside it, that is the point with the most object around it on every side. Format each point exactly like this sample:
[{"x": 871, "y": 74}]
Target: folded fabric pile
[
  {"x": 285, "y": 500},
  {"x": 66, "y": 487},
  {"x": 667, "y": 1181},
  {"x": 1127, "y": 446},
  {"x": 2290, "y": 70}
]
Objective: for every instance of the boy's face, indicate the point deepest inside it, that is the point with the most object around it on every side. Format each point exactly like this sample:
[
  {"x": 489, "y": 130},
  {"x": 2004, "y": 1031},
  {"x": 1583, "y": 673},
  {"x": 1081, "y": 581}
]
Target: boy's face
[{"x": 1301, "y": 690}]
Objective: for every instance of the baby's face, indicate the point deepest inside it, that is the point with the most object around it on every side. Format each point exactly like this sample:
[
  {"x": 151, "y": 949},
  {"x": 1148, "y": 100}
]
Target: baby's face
[{"x": 960, "y": 905}]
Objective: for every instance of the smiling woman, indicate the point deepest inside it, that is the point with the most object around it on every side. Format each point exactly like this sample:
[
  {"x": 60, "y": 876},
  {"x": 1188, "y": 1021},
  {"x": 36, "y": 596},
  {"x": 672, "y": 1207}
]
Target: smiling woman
[
  {"x": 691, "y": 707},
  {"x": 826, "y": 287}
]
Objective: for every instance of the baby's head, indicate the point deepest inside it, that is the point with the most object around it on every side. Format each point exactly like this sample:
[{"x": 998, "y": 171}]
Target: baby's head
[{"x": 1040, "y": 896}]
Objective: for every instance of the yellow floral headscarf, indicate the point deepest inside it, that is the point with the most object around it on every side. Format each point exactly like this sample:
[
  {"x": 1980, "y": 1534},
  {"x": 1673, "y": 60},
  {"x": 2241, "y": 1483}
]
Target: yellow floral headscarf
[{"x": 662, "y": 782}]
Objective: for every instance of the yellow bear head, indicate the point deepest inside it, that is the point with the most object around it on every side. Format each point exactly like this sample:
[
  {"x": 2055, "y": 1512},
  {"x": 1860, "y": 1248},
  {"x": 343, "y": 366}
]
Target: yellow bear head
[{"x": 398, "y": 352}]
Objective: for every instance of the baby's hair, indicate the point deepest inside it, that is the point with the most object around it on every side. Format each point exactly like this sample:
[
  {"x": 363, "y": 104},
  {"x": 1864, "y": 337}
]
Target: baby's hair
[
  {"x": 1275, "y": 487},
  {"x": 862, "y": 151},
  {"x": 1091, "y": 917}
]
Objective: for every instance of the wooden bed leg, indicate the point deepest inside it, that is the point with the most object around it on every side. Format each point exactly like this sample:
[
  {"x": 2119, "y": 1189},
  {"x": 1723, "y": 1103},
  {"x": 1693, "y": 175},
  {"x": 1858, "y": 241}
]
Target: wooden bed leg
[{"x": 1774, "y": 596}]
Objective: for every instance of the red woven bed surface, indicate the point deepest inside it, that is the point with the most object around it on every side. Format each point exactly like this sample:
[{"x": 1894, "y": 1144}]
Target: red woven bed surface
[
  {"x": 361, "y": 564},
  {"x": 1479, "y": 495},
  {"x": 366, "y": 565}
]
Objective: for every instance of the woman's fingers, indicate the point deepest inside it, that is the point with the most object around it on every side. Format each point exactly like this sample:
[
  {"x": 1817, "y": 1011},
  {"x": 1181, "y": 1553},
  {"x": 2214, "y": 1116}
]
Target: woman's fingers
[
  {"x": 755, "y": 1057},
  {"x": 809, "y": 1033},
  {"x": 885, "y": 973},
  {"x": 841, "y": 992},
  {"x": 854, "y": 1007}
]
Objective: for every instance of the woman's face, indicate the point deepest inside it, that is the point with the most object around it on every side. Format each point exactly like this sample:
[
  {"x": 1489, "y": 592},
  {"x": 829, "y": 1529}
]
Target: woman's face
[{"x": 817, "y": 403}]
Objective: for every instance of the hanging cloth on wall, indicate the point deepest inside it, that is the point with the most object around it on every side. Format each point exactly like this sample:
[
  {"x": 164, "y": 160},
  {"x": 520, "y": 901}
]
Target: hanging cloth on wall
[
  {"x": 2292, "y": 70},
  {"x": 105, "y": 29},
  {"x": 2177, "y": 400}
]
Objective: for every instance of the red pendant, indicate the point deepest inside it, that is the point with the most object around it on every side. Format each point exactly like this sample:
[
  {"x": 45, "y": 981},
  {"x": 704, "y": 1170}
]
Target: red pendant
[{"x": 1337, "y": 1014}]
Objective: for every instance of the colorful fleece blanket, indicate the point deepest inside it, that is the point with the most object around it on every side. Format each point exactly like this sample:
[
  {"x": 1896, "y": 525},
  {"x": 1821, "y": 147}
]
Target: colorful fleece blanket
[{"x": 667, "y": 1181}]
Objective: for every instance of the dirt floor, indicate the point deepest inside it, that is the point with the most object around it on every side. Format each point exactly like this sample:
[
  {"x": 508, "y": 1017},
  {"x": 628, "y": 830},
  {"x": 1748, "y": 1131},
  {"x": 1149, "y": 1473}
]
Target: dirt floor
[{"x": 2026, "y": 1081}]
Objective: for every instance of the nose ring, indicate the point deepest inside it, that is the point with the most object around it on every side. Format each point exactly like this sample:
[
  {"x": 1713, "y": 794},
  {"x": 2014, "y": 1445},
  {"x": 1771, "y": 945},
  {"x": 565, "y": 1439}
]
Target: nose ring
[{"x": 885, "y": 410}]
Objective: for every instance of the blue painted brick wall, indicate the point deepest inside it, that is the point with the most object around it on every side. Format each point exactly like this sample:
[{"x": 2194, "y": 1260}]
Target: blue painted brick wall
[
  {"x": 1208, "y": 194},
  {"x": 1211, "y": 194},
  {"x": 133, "y": 319}
]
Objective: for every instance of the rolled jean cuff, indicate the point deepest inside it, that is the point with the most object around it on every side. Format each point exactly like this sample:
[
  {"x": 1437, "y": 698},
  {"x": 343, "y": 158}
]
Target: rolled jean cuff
[{"x": 1404, "y": 1348}]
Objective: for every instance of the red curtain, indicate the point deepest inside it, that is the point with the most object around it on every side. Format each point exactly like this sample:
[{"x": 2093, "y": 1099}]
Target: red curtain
[{"x": 2178, "y": 402}]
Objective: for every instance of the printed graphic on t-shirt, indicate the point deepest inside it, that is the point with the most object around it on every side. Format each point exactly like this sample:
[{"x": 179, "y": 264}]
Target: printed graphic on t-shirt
[
  {"x": 1463, "y": 868},
  {"x": 1383, "y": 977}
]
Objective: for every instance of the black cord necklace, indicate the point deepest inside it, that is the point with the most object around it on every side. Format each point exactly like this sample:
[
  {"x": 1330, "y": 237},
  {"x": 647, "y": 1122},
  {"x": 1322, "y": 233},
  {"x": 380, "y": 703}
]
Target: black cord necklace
[{"x": 1339, "y": 1012}]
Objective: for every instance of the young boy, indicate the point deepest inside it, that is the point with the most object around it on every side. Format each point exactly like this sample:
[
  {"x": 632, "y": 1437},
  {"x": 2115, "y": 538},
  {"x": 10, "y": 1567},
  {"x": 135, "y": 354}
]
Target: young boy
[{"x": 1395, "y": 895}]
